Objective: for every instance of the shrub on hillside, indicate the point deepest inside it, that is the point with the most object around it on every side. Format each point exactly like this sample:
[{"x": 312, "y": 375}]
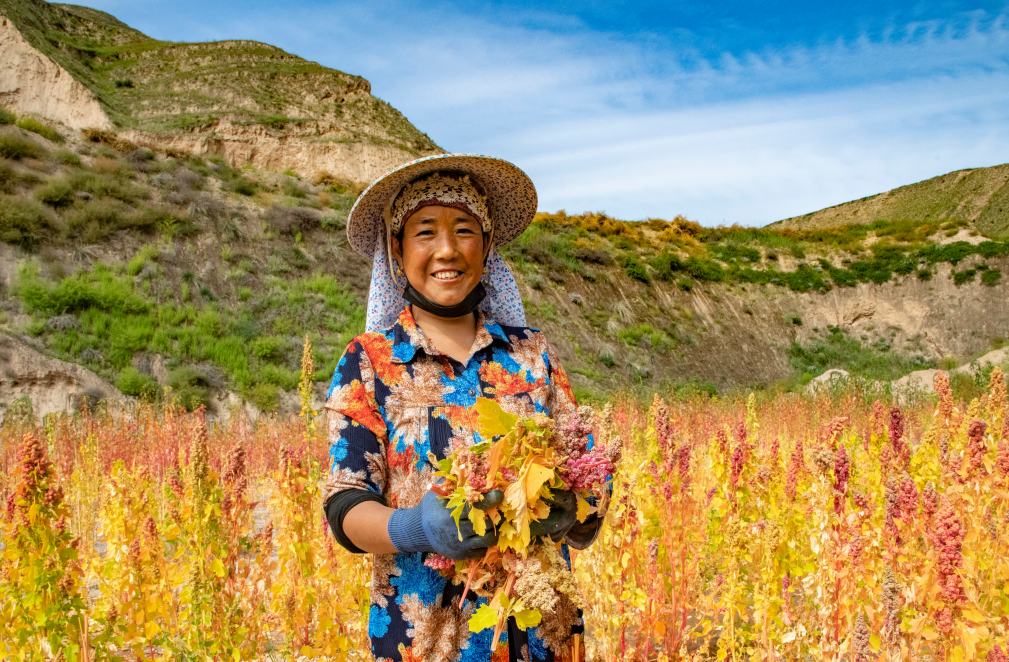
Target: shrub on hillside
[
  {"x": 242, "y": 186},
  {"x": 991, "y": 277},
  {"x": 7, "y": 178},
  {"x": 109, "y": 138},
  {"x": 634, "y": 269},
  {"x": 67, "y": 158},
  {"x": 57, "y": 193},
  {"x": 190, "y": 388},
  {"x": 264, "y": 396},
  {"x": 35, "y": 126},
  {"x": 24, "y": 222},
  {"x": 15, "y": 147},
  {"x": 93, "y": 221},
  {"x": 134, "y": 383},
  {"x": 292, "y": 220},
  {"x": 7, "y": 117}
]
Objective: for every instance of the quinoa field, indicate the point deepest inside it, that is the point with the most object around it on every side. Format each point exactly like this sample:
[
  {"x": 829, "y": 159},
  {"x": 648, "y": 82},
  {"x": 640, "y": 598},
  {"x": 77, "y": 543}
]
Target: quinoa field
[{"x": 819, "y": 527}]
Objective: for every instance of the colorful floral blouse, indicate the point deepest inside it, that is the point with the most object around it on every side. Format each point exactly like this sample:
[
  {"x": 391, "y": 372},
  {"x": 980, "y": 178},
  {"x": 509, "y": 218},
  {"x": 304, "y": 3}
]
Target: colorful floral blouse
[{"x": 394, "y": 397}]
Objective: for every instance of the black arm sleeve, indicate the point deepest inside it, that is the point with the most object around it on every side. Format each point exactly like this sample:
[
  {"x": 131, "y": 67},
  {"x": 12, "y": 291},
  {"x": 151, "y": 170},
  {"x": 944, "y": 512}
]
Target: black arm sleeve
[{"x": 337, "y": 508}]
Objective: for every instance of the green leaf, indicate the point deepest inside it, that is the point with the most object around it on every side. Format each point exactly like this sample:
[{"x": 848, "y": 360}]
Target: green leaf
[
  {"x": 527, "y": 618},
  {"x": 485, "y": 617}
]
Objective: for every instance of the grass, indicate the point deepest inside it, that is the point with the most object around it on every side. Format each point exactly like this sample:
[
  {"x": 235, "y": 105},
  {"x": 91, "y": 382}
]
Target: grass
[
  {"x": 118, "y": 318},
  {"x": 47, "y": 132},
  {"x": 838, "y": 350},
  {"x": 16, "y": 148}
]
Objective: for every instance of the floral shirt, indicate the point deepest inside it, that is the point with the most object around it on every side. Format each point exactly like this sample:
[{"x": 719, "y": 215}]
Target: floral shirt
[{"x": 394, "y": 398}]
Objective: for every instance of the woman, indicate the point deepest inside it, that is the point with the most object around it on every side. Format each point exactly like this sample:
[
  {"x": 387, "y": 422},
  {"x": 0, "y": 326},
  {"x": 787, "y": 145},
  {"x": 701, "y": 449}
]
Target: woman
[{"x": 445, "y": 326}]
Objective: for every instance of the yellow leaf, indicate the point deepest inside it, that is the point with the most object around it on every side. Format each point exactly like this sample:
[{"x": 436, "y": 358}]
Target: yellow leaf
[
  {"x": 477, "y": 517},
  {"x": 584, "y": 509},
  {"x": 151, "y": 629},
  {"x": 493, "y": 420},
  {"x": 527, "y": 618},
  {"x": 217, "y": 568},
  {"x": 535, "y": 477},
  {"x": 485, "y": 617}
]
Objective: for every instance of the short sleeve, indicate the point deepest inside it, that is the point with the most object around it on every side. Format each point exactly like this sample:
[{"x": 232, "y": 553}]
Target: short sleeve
[{"x": 356, "y": 430}]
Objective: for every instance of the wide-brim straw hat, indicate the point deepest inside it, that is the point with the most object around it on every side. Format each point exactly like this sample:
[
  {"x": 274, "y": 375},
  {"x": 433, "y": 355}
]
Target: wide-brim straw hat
[{"x": 511, "y": 196}]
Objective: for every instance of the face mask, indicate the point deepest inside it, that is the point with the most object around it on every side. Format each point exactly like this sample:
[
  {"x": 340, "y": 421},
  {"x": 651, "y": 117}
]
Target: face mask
[{"x": 464, "y": 307}]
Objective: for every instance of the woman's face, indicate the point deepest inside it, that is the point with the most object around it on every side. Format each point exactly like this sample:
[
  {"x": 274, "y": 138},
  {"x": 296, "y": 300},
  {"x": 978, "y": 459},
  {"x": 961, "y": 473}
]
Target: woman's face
[{"x": 442, "y": 253}]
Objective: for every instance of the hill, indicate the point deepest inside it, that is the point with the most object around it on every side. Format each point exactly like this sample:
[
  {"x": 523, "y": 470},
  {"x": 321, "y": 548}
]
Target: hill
[
  {"x": 160, "y": 269},
  {"x": 246, "y": 101},
  {"x": 978, "y": 195}
]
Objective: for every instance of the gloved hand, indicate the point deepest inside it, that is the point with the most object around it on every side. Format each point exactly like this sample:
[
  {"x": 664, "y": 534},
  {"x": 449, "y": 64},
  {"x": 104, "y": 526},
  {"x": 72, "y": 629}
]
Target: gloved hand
[
  {"x": 563, "y": 515},
  {"x": 430, "y": 527}
]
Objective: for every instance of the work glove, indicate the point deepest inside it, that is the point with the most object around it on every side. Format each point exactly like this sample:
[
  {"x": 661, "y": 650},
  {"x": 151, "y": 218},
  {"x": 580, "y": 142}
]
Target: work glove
[
  {"x": 430, "y": 527},
  {"x": 563, "y": 515}
]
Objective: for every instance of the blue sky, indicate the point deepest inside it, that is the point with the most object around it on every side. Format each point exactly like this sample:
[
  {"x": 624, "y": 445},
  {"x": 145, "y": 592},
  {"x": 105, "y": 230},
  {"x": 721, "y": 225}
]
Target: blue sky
[{"x": 739, "y": 112}]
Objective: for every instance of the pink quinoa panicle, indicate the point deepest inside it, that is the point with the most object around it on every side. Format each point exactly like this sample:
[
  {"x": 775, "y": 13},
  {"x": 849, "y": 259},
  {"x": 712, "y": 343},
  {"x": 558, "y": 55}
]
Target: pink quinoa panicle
[
  {"x": 945, "y": 393},
  {"x": 997, "y": 654},
  {"x": 841, "y": 472},
  {"x": 975, "y": 451}
]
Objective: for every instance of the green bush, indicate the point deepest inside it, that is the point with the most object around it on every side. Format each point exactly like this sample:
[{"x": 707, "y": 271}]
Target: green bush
[
  {"x": 242, "y": 186},
  {"x": 634, "y": 269},
  {"x": 15, "y": 147},
  {"x": 92, "y": 222},
  {"x": 67, "y": 158},
  {"x": 285, "y": 379},
  {"x": 991, "y": 277},
  {"x": 190, "y": 388},
  {"x": 98, "y": 289},
  {"x": 965, "y": 276},
  {"x": 7, "y": 117},
  {"x": 35, "y": 126},
  {"x": 56, "y": 193},
  {"x": 269, "y": 347},
  {"x": 24, "y": 222},
  {"x": 135, "y": 383},
  {"x": 264, "y": 396},
  {"x": 292, "y": 188},
  {"x": 7, "y": 178}
]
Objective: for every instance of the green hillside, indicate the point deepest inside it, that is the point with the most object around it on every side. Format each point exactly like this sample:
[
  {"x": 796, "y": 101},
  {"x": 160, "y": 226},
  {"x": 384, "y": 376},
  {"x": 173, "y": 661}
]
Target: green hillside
[
  {"x": 164, "y": 87},
  {"x": 979, "y": 195}
]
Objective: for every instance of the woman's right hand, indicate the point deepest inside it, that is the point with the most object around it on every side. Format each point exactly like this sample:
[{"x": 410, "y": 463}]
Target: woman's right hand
[{"x": 430, "y": 527}]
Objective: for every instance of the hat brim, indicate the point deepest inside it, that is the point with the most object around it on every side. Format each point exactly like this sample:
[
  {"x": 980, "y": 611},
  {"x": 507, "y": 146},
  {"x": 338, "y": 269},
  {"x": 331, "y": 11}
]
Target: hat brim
[{"x": 511, "y": 196}]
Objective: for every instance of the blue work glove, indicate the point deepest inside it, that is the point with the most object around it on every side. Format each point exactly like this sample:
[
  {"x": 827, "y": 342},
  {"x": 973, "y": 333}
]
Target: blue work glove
[
  {"x": 563, "y": 515},
  {"x": 430, "y": 527}
]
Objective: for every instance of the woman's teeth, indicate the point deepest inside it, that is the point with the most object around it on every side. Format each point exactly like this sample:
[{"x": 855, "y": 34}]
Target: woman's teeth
[{"x": 447, "y": 275}]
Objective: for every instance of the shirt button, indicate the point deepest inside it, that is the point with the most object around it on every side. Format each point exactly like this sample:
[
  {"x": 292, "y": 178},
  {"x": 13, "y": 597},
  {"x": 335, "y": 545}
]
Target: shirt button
[{"x": 472, "y": 392}]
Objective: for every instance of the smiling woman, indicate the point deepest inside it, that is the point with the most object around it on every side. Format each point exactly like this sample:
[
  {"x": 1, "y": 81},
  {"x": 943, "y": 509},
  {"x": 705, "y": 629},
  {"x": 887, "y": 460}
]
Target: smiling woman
[{"x": 446, "y": 328}]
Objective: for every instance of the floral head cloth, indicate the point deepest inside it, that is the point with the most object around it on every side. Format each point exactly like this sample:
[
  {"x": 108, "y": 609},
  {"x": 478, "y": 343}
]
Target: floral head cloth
[
  {"x": 445, "y": 189},
  {"x": 385, "y": 297}
]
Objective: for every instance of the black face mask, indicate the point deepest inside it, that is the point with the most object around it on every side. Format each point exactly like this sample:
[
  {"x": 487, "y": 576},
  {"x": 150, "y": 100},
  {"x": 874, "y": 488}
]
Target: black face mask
[{"x": 464, "y": 307}]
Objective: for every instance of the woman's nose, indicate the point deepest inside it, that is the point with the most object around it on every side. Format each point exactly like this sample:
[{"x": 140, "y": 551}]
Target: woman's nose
[{"x": 446, "y": 246}]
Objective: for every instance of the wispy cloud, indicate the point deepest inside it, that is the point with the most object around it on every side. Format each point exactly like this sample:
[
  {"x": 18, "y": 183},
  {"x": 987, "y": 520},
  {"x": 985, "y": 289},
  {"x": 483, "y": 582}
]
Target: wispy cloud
[{"x": 645, "y": 124}]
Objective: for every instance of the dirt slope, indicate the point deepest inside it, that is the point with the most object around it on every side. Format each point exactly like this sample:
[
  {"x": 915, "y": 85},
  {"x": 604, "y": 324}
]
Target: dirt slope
[
  {"x": 980, "y": 195},
  {"x": 249, "y": 102}
]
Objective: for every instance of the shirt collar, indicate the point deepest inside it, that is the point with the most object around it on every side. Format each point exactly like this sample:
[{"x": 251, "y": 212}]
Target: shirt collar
[{"x": 407, "y": 337}]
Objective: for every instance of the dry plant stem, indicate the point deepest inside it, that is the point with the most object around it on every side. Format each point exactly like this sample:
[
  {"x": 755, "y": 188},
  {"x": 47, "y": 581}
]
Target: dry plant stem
[
  {"x": 501, "y": 621},
  {"x": 469, "y": 579}
]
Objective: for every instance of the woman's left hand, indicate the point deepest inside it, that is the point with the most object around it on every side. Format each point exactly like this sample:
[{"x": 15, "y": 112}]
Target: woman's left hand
[{"x": 563, "y": 515}]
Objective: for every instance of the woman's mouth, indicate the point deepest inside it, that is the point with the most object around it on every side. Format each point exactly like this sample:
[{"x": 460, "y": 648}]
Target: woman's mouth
[{"x": 447, "y": 275}]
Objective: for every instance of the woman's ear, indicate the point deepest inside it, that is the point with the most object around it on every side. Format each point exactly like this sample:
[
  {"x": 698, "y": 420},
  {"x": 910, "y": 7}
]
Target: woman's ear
[{"x": 397, "y": 249}]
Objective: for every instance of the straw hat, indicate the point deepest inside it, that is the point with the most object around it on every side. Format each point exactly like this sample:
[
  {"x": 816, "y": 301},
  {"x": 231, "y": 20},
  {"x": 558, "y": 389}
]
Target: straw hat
[{"x": 511, "y": 196}]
